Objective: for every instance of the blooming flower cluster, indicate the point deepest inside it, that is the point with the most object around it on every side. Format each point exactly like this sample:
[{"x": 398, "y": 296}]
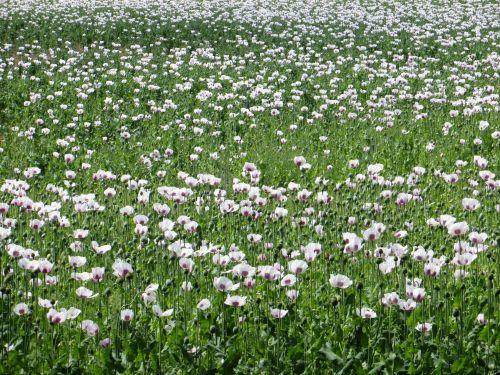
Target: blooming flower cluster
[{"x": 272, "y": 186}]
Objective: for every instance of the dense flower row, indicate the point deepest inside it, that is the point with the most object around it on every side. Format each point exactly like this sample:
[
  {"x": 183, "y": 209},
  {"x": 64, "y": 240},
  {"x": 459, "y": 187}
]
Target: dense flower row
[{"x": 249, "y": 186}]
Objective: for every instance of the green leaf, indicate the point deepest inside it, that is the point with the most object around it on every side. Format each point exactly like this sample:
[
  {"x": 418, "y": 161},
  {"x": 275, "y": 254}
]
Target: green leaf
[
  {"x": 377, "y": 368},
  {"x": 231, "y": 362},
  {"x": 458, "y": 365},
  {"x": 330, "y": 355},
  {"x": 412, "y": 320}
]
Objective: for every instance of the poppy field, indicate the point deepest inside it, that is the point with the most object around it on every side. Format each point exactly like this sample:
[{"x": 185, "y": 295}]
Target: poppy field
[{"x": 249, "y": 187}]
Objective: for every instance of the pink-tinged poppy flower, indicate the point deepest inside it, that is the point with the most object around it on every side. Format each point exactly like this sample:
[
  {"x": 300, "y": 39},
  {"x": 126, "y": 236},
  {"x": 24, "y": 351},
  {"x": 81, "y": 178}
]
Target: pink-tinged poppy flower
[
  {"x": 254, "y": 238},
  {"x": 278, "y": 314},
  {"x": 126, "y": 315},
  {"x": 446, "y": 220},
  {"x": 122, "y": 269},
  {"x": 204, "y": 304},
  {"x": 141, "y": 230},
  {"x": 400, "y": 234},
  {"x": 72, "y": 313},
  {"x": 4, "y": 208},
  {"x": 97, "y": 274},
  {"x": 56, "y": 317},
  {"x": 235, "y": 301},
  {"x": 288, "y": 280},
  {"x": 297, "y": 266},
  {"x": 149, "y": 294},
  {"x": 403, "y": 199},
  {"x": 249, "y": 283},
  {"x": 460, "y": 274},
  {"x": 304, "y": 195},
  {"x": 481, "y": 319},
  {"x": 141, "y": 219},
  {"x": 353, "y": 243},
  {"x": 45, "y": 303},
  {"x": 186, "y": 264},
  {"x": 470, "y": 204},
  {"x": 268, "y": 272},
  {"x": 340, "y": 281},
  {"x": 420, "y": 254},
  {"x": 109, "y": 193},
  {"x": 36, "y": 224},
  {"x": 191, "y": 226},
  {"x": 366, "y": 313},
  {"x": 223, "y": 284},
  {"x": 424, "y": 327},
  {"x": 417, "y": 294},
  {"x": 371, "y": 234},
  {"x": 100, "y": 249},
  {"x": 221, "y": 260},
  {"x": 478, "y": 238},
  {"x": 85, "y": 293},
  {"x": 77, "y": 261},
  {"x": 322, "y": 197},
  {"x": 390, "y": 299},
  {"x": 160, "y": 313},
  {"x": 161, "y": 209},
  {"x": 299, "y": 161},
  {"x": 458, "y": 229},
  {"x": 432, "y": 269},
  {"x": 21, "y": 309},
  {"x": 244, "y": 270},
  {"x": 388, "y": 265},
  {"x": 80, "y": 234},
  {"x": 463, "y": 259},
  {"x": 127, "y": 211},
  {"x": 45, "y": 266},
  {"x": 292, "y": 294},
  {"x": 105, "y": 343},
  {"x": 51, "y": 280},
  {"x": 90, "y": 327}
]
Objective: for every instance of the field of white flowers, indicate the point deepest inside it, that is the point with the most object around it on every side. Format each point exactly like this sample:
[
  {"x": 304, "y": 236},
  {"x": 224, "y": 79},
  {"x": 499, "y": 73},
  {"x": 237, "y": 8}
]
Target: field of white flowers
[{"x": 249, "y": 187}]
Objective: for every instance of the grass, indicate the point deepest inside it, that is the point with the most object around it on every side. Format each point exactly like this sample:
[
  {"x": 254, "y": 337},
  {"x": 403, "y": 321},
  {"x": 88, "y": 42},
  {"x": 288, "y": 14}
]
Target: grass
[{"x": 99, "y": 96}]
